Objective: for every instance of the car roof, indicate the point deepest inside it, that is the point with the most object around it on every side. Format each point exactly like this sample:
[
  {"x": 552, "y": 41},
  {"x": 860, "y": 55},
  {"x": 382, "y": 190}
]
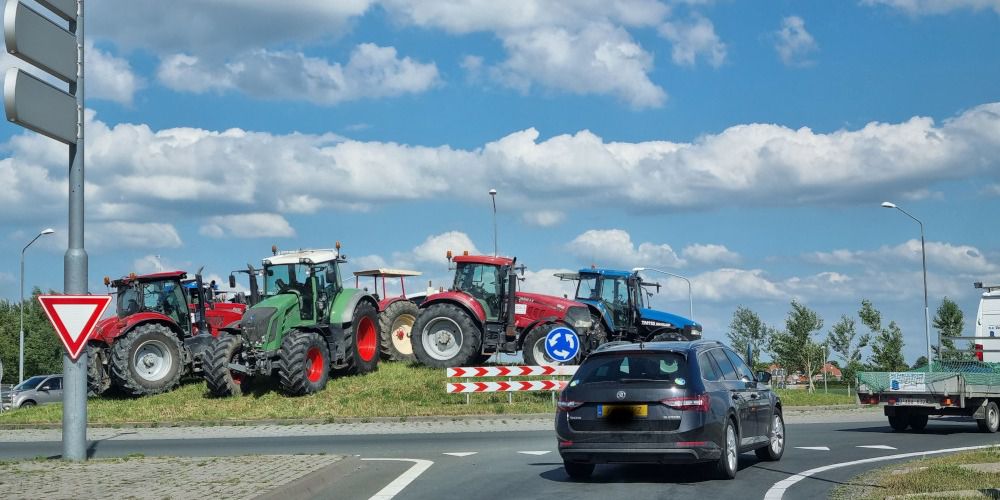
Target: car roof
[{"x": 667, "y": 346}]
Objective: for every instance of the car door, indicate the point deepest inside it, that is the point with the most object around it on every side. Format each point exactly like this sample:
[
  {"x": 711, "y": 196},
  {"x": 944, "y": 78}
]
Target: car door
[
  {"x": 760, "y": 403},
  {"x": 50, "y": 390},
  {"x": 741, "y": 396}
]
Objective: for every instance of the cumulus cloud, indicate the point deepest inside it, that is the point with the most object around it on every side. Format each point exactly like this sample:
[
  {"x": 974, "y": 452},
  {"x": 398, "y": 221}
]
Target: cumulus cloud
[
  {"x": 793, "y": 43},
  {"x": 544, "y": 218},
  {"x": 544, "y": 281},
  {"x": 729, "y": 284},
  {"x": 693, "y": 39},
  {"x": 607, "y": 247},
  {"x": 434, "y": 248},
  {"x": 710, "y": 254},
  {"x": 931, "y": 7},
  {"x": 109, "y": 77},
  {"x": 965, "y": 259},
  {"x": 112, "y": 235},
  {"x": 252, "y": 225},
  {"x": 371, "y": 72}
]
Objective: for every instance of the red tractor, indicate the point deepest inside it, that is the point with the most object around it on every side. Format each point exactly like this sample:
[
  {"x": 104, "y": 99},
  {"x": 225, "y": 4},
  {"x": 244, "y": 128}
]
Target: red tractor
[
  {"x": 396, "y": 314},
  {"x": 164, "y": 322},
  {"x": 483, "y": 314}
]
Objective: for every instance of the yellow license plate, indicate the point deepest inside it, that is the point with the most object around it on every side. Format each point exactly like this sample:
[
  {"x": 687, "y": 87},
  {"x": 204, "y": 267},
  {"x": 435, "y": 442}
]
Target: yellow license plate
[{"x": 636, "y": 410}]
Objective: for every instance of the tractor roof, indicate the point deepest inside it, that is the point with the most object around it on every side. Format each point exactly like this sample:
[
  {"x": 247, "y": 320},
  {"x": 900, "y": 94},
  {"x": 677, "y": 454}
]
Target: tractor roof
[
  {"x": 302, "y": 256},
  {"x": 613, "y": 273},
  {"x": 144, "y": 278},
  {"x": 484, "y": 259},
  {"x": 388, "y": 273}
]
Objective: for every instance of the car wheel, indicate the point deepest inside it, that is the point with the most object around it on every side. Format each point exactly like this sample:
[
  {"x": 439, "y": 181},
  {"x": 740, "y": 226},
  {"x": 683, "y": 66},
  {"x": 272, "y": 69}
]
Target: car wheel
[
  {"x": 776, "y": 447},
  {"x": 27, "y": 404},
  {"x": 578, "y": 470},
  {"x": 728, "y": 462}
]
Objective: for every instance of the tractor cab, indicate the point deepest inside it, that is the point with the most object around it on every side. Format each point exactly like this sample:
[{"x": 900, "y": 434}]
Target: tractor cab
[
  {"x": 311, "y": 276},
  {"x": 491, "y": 282},
  {"x": 160, "y": 293}
]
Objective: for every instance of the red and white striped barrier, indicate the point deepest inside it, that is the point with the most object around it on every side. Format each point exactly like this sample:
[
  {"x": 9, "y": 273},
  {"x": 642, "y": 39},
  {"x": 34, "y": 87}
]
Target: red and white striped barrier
[
  {"x": 510, "y": 371},
  {"x": 532, "y": 385}
]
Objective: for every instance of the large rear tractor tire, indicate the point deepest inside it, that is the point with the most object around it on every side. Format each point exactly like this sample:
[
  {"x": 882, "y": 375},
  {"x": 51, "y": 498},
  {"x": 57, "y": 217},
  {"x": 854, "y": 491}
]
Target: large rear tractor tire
[
  {"x": 445, "y": 336},
  {"x": 534, "y": 347},
  {"x": 147, "y": 360},
  {"x": 362, "y": 340},
  {"x": 98, "y": 378},
  {"x": 395, "y": 324},
  {"x": 303, "y": 363},
  {"x": 222, "y": 381}
]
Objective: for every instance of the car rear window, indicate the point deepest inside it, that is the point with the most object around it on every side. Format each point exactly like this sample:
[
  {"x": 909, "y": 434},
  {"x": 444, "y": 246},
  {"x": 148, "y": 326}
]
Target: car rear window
[{"x": 662, "y": 367}]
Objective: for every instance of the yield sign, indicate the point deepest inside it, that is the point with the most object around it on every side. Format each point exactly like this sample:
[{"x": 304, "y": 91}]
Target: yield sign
[{"x": 74, "y": 318}]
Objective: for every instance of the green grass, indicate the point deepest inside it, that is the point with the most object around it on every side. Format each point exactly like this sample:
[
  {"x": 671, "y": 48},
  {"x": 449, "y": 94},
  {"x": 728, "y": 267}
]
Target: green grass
[
  {"x": 801, "y": 397},
  {"x": 940, "y": 474},
  {"x": 395, "y": 390}
]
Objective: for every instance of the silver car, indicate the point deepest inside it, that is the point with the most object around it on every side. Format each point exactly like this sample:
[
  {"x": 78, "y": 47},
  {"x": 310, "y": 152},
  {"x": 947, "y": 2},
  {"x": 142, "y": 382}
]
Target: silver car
[{"x": 37, "y": 390}]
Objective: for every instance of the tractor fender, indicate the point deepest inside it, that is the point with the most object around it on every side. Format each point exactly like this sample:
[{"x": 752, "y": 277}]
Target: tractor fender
[
  {"x": 601, "y": 312},
  {"x": 110, "y": 329},
  {"x": 543, "y": 321},
  {"x": 342, "y": 309},
  {"x": 467, "y": 303},
  {"x": 385, "y": 303}
]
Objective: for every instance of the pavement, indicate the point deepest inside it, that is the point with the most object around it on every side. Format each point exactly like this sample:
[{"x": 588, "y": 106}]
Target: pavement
[{"x": 503, "y": 457}]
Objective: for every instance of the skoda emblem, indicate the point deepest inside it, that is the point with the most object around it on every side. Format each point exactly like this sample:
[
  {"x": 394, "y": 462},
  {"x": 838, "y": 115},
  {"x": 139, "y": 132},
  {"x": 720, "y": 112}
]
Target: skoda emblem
[{"x": 620, "y": 395}]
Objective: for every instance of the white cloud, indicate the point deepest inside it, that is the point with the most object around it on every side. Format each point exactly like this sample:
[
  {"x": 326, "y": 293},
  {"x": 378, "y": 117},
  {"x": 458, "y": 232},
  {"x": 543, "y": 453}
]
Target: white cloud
[
  {"x": 156, "y": 263},
  {"x": 544, "y": 218},
  {"x": 109, "y": 77},
  {"x": 544, "y": 281},
  {"x": 112, "y": 235},
  {"x": 964, "y": 259},
  {"x": 252, "y": 225},
  {"x": 371, "y": 72},
  {"x": 434, "y": 248},
  {"x": 694, "y": 39},
  {"x": 606, "y": 247},
  {"x": 728, "y": 284},
  {"x": 710, "y": 254},
  {"x": 930, "y": 7},
  {"x": 794, "y": 43}
]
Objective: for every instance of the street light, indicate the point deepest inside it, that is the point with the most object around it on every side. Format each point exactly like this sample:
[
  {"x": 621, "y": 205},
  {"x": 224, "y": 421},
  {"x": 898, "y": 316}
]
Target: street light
[
  {"x": 690, "y": 297},
  {"x": 20, "y": 357},
  {"x": 493, "y": 195},
  {"x": 923, "y": 255}
]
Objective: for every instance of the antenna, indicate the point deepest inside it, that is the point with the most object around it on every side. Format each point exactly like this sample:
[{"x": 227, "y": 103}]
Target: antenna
[{"x": 493, "y": 195}]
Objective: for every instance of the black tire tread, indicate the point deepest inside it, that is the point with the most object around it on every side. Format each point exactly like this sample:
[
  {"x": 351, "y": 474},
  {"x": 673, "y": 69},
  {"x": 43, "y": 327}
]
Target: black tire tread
[
  {"x": 292, "y": 363},
  {"x": 119, "y": 363},
  {"x": 215, "y": 366},
  {"x": 385, "y": 320},
  {"x": 471, "y": 343},
  {"x": 353, "y": 364},
  {"x": 98, "y": 379}
]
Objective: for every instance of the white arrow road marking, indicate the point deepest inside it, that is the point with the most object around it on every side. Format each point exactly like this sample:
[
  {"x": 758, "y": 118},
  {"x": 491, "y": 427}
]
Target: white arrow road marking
[
  {"x": 460, "y": 453},
  {"x": 817, "y": 448},
  {"x": 778, "y": 489},
  {"x": 877, "y": 446},
  {"x": 534, "y": 452},
  {"x": 392, "y": 489}
]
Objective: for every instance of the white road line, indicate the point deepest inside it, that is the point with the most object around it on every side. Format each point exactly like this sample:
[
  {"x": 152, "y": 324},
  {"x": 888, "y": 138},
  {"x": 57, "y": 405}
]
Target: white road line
[
  {"x": 534, "y": 452},
  {"x": 460, "y": 453},
  {"x": 877, "y": 447},
  {"x": 778, "y": 489},
  {"x": 392, "y": 489},
  {"x": 815, "y": 448}
]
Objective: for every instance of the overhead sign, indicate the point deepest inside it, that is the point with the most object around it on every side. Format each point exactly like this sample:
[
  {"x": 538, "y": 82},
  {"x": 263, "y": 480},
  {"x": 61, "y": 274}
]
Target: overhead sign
[
  {"x": 562, "y": 344},
  {"x": 36, "y": 105},
  {"x": 32, "y": 37},
  {"x": 74, "y": 318}
]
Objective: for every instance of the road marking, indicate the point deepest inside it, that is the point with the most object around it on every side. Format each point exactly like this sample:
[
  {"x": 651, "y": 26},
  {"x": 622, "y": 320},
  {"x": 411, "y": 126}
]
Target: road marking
[
  {"x": 460, "y": 453},
  {"x": 816, "y": 448},
  {"x": 877, "y": 447},
  {"x": 533, "y": 452},
  {"x": 392, "y": 489},
  {"x": 778, "y": 489}
]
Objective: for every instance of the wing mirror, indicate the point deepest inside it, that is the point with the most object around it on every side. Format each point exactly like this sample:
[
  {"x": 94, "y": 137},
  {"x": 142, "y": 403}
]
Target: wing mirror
[{"x": 763, "y": 377}]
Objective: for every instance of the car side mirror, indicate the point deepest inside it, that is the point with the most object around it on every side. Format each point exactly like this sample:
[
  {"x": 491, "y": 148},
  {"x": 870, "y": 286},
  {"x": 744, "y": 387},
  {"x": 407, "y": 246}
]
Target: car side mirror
[{"x": 763, "y": 377}]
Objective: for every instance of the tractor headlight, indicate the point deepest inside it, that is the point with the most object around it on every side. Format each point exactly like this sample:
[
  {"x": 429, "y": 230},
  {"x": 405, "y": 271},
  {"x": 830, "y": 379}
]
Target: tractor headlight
[{"x": 579, "y": 317}]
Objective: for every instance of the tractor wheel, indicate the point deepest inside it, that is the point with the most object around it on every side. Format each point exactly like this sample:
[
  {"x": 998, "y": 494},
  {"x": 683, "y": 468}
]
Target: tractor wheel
[
  {"x": 147, "y": 360},
  {"x": 597, "y": 336},
  {"x": 394, "y": 325},
  {"x": 221, "y": 380},
  {"x": 98, "y": 379},
  {"x": 444, "y": 336},
  {"x": 362, "y": 340},
  {"x": 303, "y": 363},
  {"x": 534, "y": 347}
]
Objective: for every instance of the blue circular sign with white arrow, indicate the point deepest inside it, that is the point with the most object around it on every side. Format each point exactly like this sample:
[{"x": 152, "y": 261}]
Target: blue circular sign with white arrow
[{"x": 562, "y": 344}]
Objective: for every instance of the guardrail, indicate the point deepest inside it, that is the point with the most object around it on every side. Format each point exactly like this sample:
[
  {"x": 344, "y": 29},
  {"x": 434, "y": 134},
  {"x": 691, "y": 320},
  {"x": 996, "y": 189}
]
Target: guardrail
[{"x": 470, "y": 386}]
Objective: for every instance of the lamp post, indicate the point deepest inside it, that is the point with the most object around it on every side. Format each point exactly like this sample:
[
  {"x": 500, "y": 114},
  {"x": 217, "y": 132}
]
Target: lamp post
[
  {"x": 493, "y": 196},
  {"x": 20, "y": 357},
  {"x": 923, "y": 256},
  {"x": 668, "y": 273}
]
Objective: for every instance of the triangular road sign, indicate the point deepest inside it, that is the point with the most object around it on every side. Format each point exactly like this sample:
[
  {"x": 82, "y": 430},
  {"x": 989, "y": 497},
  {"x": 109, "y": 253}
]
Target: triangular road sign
[{"x": 74, "y": 318}]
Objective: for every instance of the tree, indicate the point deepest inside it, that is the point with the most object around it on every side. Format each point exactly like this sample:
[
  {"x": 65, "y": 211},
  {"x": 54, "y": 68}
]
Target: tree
[
  {"x": 949, "y": 322},
  {"x": 42, "y": 349},
  {"x": 841, "y": 340},
  {"x": 794, "y": 348},
  {"x": 887, "y": 350},
  {"x": 920, "y": 362},
  {"x": 747, "y": 329}
]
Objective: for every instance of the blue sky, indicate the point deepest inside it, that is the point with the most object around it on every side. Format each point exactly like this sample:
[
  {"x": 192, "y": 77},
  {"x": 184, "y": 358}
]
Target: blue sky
[{"x": 746, "y": 145}]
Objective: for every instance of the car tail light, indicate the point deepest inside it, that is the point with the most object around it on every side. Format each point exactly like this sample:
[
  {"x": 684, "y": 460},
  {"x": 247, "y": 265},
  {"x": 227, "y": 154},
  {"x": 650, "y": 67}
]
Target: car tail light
[
  {"x": 891, "y": 401},
  {"x": 564, "y": 443},
  {"x": 700, "y": 402},
  {"x": 566, "y": 405},
  {"x": 691, "y": 444},
  {"x": 948, "y": 401},
  {"x": 868, "y": 399},
  {"x": 979, "y": 352}
]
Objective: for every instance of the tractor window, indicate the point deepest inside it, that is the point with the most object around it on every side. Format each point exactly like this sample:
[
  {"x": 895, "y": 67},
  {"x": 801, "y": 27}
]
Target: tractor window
[
  {"x": 128, "y": 301},
  {"x": 587, "y": 289},
  {"x": 480, "y": 281},
  {"x": 280, "y": 278},
  {"x": 615, "y": 291}
]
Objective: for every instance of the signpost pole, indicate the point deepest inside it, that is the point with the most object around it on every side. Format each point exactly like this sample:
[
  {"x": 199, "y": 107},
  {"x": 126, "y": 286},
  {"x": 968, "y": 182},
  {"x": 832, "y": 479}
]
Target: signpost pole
[{"x": 75, "y": 271}]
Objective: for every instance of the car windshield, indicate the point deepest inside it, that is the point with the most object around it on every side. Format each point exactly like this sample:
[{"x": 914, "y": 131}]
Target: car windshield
[
  {"x": 29, "y": 384},
  {"x": 587, "y": 290},
  {"x": 669, "y": 368}
]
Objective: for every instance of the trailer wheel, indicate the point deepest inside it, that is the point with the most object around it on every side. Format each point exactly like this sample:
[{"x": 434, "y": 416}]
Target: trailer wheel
[
  {"x": 362, "y": 340},
  {"x": 899, "y": 422},
  {"x": 303, "y": 363},
  {"x": 221, "y": 380},
  {"x": 992, "y": 421},
  {"x": 98, "y": 379},
  {"x": 147, "y": 360},
  {"x": 918, "y": 421},
  {"x": 395, "y": 327},
  {"x": 445, "y": 336}
]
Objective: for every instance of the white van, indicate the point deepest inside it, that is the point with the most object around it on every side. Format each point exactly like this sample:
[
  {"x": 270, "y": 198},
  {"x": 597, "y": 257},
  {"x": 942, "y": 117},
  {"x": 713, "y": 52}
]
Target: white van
[{"x": 988, "y": 325}]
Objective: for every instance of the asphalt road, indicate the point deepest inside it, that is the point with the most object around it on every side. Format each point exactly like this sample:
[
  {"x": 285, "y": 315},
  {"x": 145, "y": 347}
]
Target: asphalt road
[{"x": 516, "y": 465}]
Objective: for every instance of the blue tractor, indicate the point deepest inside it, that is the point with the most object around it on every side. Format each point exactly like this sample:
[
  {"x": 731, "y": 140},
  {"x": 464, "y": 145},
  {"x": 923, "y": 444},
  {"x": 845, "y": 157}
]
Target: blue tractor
[{"x": 619, "y": 305}]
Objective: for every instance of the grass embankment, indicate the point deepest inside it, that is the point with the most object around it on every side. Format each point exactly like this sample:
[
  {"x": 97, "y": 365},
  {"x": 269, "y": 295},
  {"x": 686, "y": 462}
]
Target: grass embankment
[
  {"x": 395, "y": 390},
  {"x": 940, "y": 474}
]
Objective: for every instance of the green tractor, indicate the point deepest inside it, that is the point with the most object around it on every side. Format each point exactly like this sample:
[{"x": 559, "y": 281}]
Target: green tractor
[{"x": 305, "y": 327}]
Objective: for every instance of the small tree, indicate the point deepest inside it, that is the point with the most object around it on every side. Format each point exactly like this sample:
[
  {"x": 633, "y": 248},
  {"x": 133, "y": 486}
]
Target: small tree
[
  {"x": 949, "y": 322},
  {"x": 841, "y": 340},
  {"x": 887, "y": 350},
  {"x": 920, "y": 362},
  {"x": 794, "y": 348},
  {"x": 747, "y": 329}
]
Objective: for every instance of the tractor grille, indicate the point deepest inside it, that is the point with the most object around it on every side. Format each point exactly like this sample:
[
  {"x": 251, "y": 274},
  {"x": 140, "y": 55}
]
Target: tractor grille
[{"x": 255, "y": 323}]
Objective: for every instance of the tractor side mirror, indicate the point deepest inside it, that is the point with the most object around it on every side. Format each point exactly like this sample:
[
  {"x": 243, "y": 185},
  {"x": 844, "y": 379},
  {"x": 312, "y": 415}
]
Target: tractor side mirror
[
  {"x": 330, "y": 276},
  {"x": 232, "y": 281}
]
